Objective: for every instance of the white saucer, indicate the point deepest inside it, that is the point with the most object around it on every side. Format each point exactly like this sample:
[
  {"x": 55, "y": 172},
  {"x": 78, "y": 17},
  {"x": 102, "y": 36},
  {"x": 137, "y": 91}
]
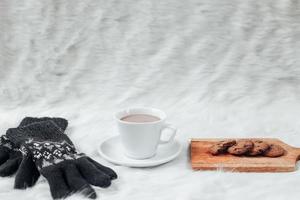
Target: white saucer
[{"x": 111, "y": 150}]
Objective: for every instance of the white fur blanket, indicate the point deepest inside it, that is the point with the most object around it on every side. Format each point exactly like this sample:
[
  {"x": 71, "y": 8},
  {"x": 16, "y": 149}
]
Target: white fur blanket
[{"x": 227, "y": 68}]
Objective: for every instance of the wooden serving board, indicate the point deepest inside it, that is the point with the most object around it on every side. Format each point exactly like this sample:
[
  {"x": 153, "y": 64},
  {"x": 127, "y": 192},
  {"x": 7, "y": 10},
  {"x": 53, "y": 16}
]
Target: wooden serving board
[{"x": 201, "y": 159}]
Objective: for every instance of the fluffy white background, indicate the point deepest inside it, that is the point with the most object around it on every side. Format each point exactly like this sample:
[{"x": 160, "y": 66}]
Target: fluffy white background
[{"x": 225, "y": 68}]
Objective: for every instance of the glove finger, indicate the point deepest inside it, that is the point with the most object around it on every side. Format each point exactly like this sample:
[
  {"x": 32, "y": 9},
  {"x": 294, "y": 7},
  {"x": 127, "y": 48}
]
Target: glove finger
[
  {"x": 27, "y": 174},
  {"x": 92, "y": 174},
  {"x": 58, "y": 187},
  {"x": 3, "y": 156},
  {"x": 111, "y": 173},
  {"x": 10, "y": 167},
  {"x": 77, "y": 183}
]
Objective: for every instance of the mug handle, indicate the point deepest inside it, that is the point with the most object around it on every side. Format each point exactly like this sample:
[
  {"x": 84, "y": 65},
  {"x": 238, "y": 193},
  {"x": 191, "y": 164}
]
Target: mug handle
[{"x": 174, "y": 130}]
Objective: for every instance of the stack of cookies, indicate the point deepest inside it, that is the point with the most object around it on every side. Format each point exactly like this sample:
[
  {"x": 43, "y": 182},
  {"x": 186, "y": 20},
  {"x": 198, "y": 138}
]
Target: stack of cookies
[{"x": 245, "y": 147}]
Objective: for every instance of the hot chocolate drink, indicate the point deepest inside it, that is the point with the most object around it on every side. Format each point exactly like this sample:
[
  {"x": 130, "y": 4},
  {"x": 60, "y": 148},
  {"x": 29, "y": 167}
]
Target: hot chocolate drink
[{"x": 140, "y": 118}]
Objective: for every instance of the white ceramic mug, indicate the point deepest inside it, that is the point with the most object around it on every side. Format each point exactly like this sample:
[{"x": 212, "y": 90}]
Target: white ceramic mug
[{"x": 141, "y": 139}]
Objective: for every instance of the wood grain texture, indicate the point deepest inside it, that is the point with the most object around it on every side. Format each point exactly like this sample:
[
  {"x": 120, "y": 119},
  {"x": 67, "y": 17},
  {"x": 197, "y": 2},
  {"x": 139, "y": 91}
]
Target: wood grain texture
[{"x": 201, "y": 159}]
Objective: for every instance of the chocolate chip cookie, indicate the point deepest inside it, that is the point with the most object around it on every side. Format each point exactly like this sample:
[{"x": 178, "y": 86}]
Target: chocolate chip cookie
[
  {"x": 259, "y": 147},
  {"x": 241, "y": 147},
  {"x": 274, "y": 151},
  {"x": 221, "y": 147}
]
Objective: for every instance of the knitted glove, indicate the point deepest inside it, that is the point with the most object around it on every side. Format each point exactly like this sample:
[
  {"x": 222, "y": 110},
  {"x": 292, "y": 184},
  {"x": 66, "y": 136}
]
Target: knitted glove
[
  {"x": 11, "y": 157},
  {"x": 56, "y": 158}
]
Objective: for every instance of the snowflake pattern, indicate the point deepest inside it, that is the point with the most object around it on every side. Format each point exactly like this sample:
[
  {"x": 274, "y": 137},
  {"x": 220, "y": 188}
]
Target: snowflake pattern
[
  {"x": 24, "y": 151},
  {"x": 49, "y": 153}
]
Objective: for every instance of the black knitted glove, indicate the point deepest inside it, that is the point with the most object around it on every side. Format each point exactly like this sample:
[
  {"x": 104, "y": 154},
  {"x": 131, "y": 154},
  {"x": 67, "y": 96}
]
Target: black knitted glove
[
  {"x": 28, "y": 174},
  {"x": 11, "y": 157},
  {"x": 58, "y": 161}
]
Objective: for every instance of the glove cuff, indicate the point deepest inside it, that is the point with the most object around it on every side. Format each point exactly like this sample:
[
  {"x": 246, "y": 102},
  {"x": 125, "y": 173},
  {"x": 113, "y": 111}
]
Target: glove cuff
[
  {"x": 61, "y": 122},
  {"x": 40, "y": 131}
]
